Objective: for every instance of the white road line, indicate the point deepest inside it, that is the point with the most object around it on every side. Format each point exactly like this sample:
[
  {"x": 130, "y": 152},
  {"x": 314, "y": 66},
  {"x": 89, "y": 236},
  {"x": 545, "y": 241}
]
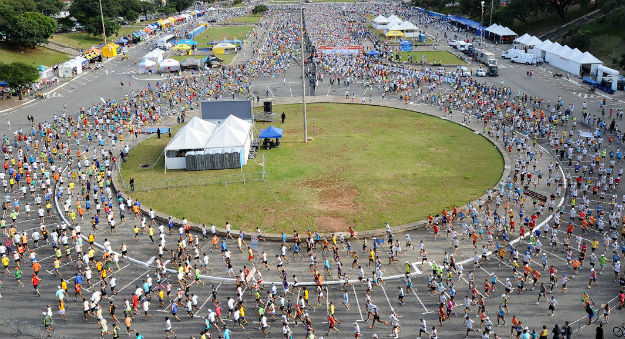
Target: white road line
[
  {"x": 290, "y": 91},
  {"x": 205, "y": 301},
  {"x": 357, "y": 304},
  {"x": 421, "y": 302},
  {"x": 135, "y": 279},
  {"x": 329, "y": 88}
]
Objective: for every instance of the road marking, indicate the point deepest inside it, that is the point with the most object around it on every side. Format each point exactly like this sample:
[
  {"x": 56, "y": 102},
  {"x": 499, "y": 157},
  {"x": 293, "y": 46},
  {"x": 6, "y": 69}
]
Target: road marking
[
  {"x": 205, "y": 301},
  {"x": 329, "y": 88},
  {"x": 421, "y": 302},
  {"x": 357, "y": 303},
  {"x": 135, "y": 279}
]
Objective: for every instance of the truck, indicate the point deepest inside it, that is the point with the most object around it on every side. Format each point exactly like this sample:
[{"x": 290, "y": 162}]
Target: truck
[
  {"x": 528, "y": 59},
  {"x": 493, "y": 70},
  {"x": 485, "y": 57}
]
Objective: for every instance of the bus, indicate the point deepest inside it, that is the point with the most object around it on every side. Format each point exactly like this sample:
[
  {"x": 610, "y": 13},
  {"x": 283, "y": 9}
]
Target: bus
[{"x": 166, "y": 41}]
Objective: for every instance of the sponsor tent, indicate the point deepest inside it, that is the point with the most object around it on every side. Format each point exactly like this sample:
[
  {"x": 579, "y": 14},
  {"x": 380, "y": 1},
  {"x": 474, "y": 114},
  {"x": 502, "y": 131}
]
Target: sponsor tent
[
  {"x": 500, "y": 33},
  {"x": 110, "y": 50},
  {"x": 147, "y": 66},
  {"x": 190, "y": 63},
  {"x": 168, "y": 65},
  {"x": 187, "y": 42},
  {"x": 394, "y": 34},
  {"x": 181, "y": 47},
  {"x": 224, "y": 48},
  {"x": 373, "y": 52}
]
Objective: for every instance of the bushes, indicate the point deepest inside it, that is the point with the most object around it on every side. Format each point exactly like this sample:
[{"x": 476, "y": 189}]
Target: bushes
[{"x": 260, "y": 9}]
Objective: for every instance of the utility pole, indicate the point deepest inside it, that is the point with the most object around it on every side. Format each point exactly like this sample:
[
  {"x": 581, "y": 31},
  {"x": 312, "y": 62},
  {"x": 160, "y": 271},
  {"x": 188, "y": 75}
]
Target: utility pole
[
  {"x": 491, "y": 13},
  {"x": 102, "y": 18},
  {"x": 303, "y": 70},
  {"x": 482, "y": 25}
]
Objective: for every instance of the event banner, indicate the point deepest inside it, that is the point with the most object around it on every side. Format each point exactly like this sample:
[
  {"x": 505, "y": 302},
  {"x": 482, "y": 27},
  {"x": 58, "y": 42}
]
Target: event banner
[{"x": 356, "y": 49}]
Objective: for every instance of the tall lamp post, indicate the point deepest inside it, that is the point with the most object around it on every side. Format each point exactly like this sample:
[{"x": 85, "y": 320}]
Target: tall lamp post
[
  {"x": 490, "y": 22},
  {"x": 102, "y": 18},
  {"x": 482, "y": 25},
  {"x": 303, "y": 71}
]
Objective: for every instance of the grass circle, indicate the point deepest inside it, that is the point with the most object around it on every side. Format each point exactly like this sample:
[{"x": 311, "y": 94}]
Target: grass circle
[{"x": 365, "y": 166}]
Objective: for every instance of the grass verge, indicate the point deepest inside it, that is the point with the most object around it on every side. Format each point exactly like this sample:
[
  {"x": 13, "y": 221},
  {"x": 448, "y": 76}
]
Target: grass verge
[{"x": 365, "y": 166}]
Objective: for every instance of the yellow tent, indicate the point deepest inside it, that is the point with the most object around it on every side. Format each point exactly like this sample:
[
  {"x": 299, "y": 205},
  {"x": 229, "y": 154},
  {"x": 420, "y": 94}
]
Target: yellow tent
[
  {"x": 224, "y": 48},
  {"x": 181, "y": 47},
  {"x": 394, "y": 34},
  {"x": 110, "y": 50}
]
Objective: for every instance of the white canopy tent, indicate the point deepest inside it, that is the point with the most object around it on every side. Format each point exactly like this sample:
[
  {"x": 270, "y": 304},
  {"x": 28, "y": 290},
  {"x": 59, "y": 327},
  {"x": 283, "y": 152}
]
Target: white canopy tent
[
  {"x": 501, "y": 33},
  {"x": 571, "y": 60},
  {"x": 155, "y": 55},
  {"x": 233, "y": 135},
  {"x": 192, "y": 136},
  {"x": 380, "y": 22},
  {"x": 168, "y": 65},
  {"x": 147, "y": 66}
]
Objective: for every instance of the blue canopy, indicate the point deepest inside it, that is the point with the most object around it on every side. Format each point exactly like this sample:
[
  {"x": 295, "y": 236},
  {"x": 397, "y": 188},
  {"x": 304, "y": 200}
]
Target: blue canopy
[
  {"x": 3, "y": 84},
  {"x": 373, "y": 52},
  {"x": 187, "y": 42},
  {"x": 270, "y": 132},
  {"x": 466, "y": 22},
  {"x": 122, "y": 41}
]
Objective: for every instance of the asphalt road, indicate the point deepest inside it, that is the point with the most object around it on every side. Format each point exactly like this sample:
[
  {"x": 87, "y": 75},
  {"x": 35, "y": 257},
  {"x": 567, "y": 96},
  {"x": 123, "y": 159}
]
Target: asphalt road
[{"x": 22, "y": 304}]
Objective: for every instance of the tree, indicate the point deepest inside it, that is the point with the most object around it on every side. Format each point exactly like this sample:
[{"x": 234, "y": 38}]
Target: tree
[
  {"x": 180, "y": 5},
  {"x": 259, "y": 9},
  {"x": 561, "y": 7},
  {"x": 94, "y": 26},
  {"x": 167, "y": 10},
  {"x": 50, "y": 7},
  {"x": 29, "y": 29},
  {"x": 521, "y": 10},
  {"x": 18, "y": 75},
  {"x": 146, "y": 8}
]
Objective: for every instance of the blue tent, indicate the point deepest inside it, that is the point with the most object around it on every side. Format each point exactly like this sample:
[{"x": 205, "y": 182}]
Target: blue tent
[
  {"x": 406, "y": 46},
  {"x": 3, "y": 84},
  {"x": 187, "y": 42},
  {"x": 270, "y": 132},
  {"x": 122, "y": 41},
  {"x": 467, "y": 22},
  {"x": 373, "y": 52}
]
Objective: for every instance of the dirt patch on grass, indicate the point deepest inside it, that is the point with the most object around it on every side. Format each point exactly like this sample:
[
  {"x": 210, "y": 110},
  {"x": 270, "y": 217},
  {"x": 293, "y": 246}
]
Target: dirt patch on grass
[
  {"x": 332, "y": 224},
  {"x": 270, "y": 218},
  {"x": 334, "y": 194}
]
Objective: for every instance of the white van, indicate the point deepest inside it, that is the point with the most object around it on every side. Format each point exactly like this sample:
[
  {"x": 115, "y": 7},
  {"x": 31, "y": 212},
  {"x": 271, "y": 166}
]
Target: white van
[
  {"x": 464, "y": 71},
  {"x": 511, "y": 53},
  {"x": 525, "y": 58}
]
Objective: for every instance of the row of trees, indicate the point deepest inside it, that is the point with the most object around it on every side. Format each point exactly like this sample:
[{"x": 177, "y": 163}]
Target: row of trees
[
  {"x": 27, "y": 22},
  {"x": 521, "y": 10}
]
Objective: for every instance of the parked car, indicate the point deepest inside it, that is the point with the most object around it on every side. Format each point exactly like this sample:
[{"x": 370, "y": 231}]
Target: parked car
[
  {"x": 511, "y": 53},
  {"x": 480, "y": 72}
]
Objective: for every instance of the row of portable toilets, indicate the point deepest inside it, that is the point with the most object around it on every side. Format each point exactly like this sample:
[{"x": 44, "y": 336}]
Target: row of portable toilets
[{"x": 213, "y": 159}]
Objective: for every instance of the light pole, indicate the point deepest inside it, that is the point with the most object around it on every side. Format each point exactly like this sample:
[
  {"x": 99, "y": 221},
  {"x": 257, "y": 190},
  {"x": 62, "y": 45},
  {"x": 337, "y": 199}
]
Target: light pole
[
  {"x": 490, "y": 22},
  {"x": 301, "y": 36},
  {"x": 482, "y": 25},
  {"x": 102, "y": 18}
]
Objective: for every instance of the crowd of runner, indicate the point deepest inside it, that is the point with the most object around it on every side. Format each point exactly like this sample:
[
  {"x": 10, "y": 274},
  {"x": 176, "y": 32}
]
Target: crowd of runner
[{"x": 71, "y": 160}]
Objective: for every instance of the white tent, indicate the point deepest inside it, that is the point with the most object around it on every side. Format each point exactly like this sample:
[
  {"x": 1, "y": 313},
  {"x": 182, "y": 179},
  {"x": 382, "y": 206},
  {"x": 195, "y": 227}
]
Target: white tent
[
  {"x": 155, "y": 55},
  {"x": 541, "y": 49},
  {"x": 71, "y": 67},
  {"x": 523, "y": 39},
  {"x": 409, "y": 29},
  {"x": 168, "y": 65},
  {"x": 380, "y": 22},
  {"x": 233, "y": 135},
  {"x": 501, "y": 33},
  {"x": 192, "y": 136},
  {"x": 393, "y": 18},
  {"x": 147, "y": 66}
]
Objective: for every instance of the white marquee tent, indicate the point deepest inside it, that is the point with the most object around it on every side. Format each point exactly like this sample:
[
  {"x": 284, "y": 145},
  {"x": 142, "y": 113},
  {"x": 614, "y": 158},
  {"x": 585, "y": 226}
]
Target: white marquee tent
[
  {"x": 233, "y": 135},
  {"x": 155, "y": 55},
  {"x": 501, "y": 33},
  {"x": 147, "y": 66},
  {"x": 380, "y": 22},
  {"x": 168, "y": 65}
]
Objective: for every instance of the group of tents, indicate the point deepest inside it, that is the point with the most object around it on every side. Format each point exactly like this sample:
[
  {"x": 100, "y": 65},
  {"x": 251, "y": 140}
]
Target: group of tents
[
  {"x": 395, "y": 27},
  {"x": 570, "y": 60}
]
